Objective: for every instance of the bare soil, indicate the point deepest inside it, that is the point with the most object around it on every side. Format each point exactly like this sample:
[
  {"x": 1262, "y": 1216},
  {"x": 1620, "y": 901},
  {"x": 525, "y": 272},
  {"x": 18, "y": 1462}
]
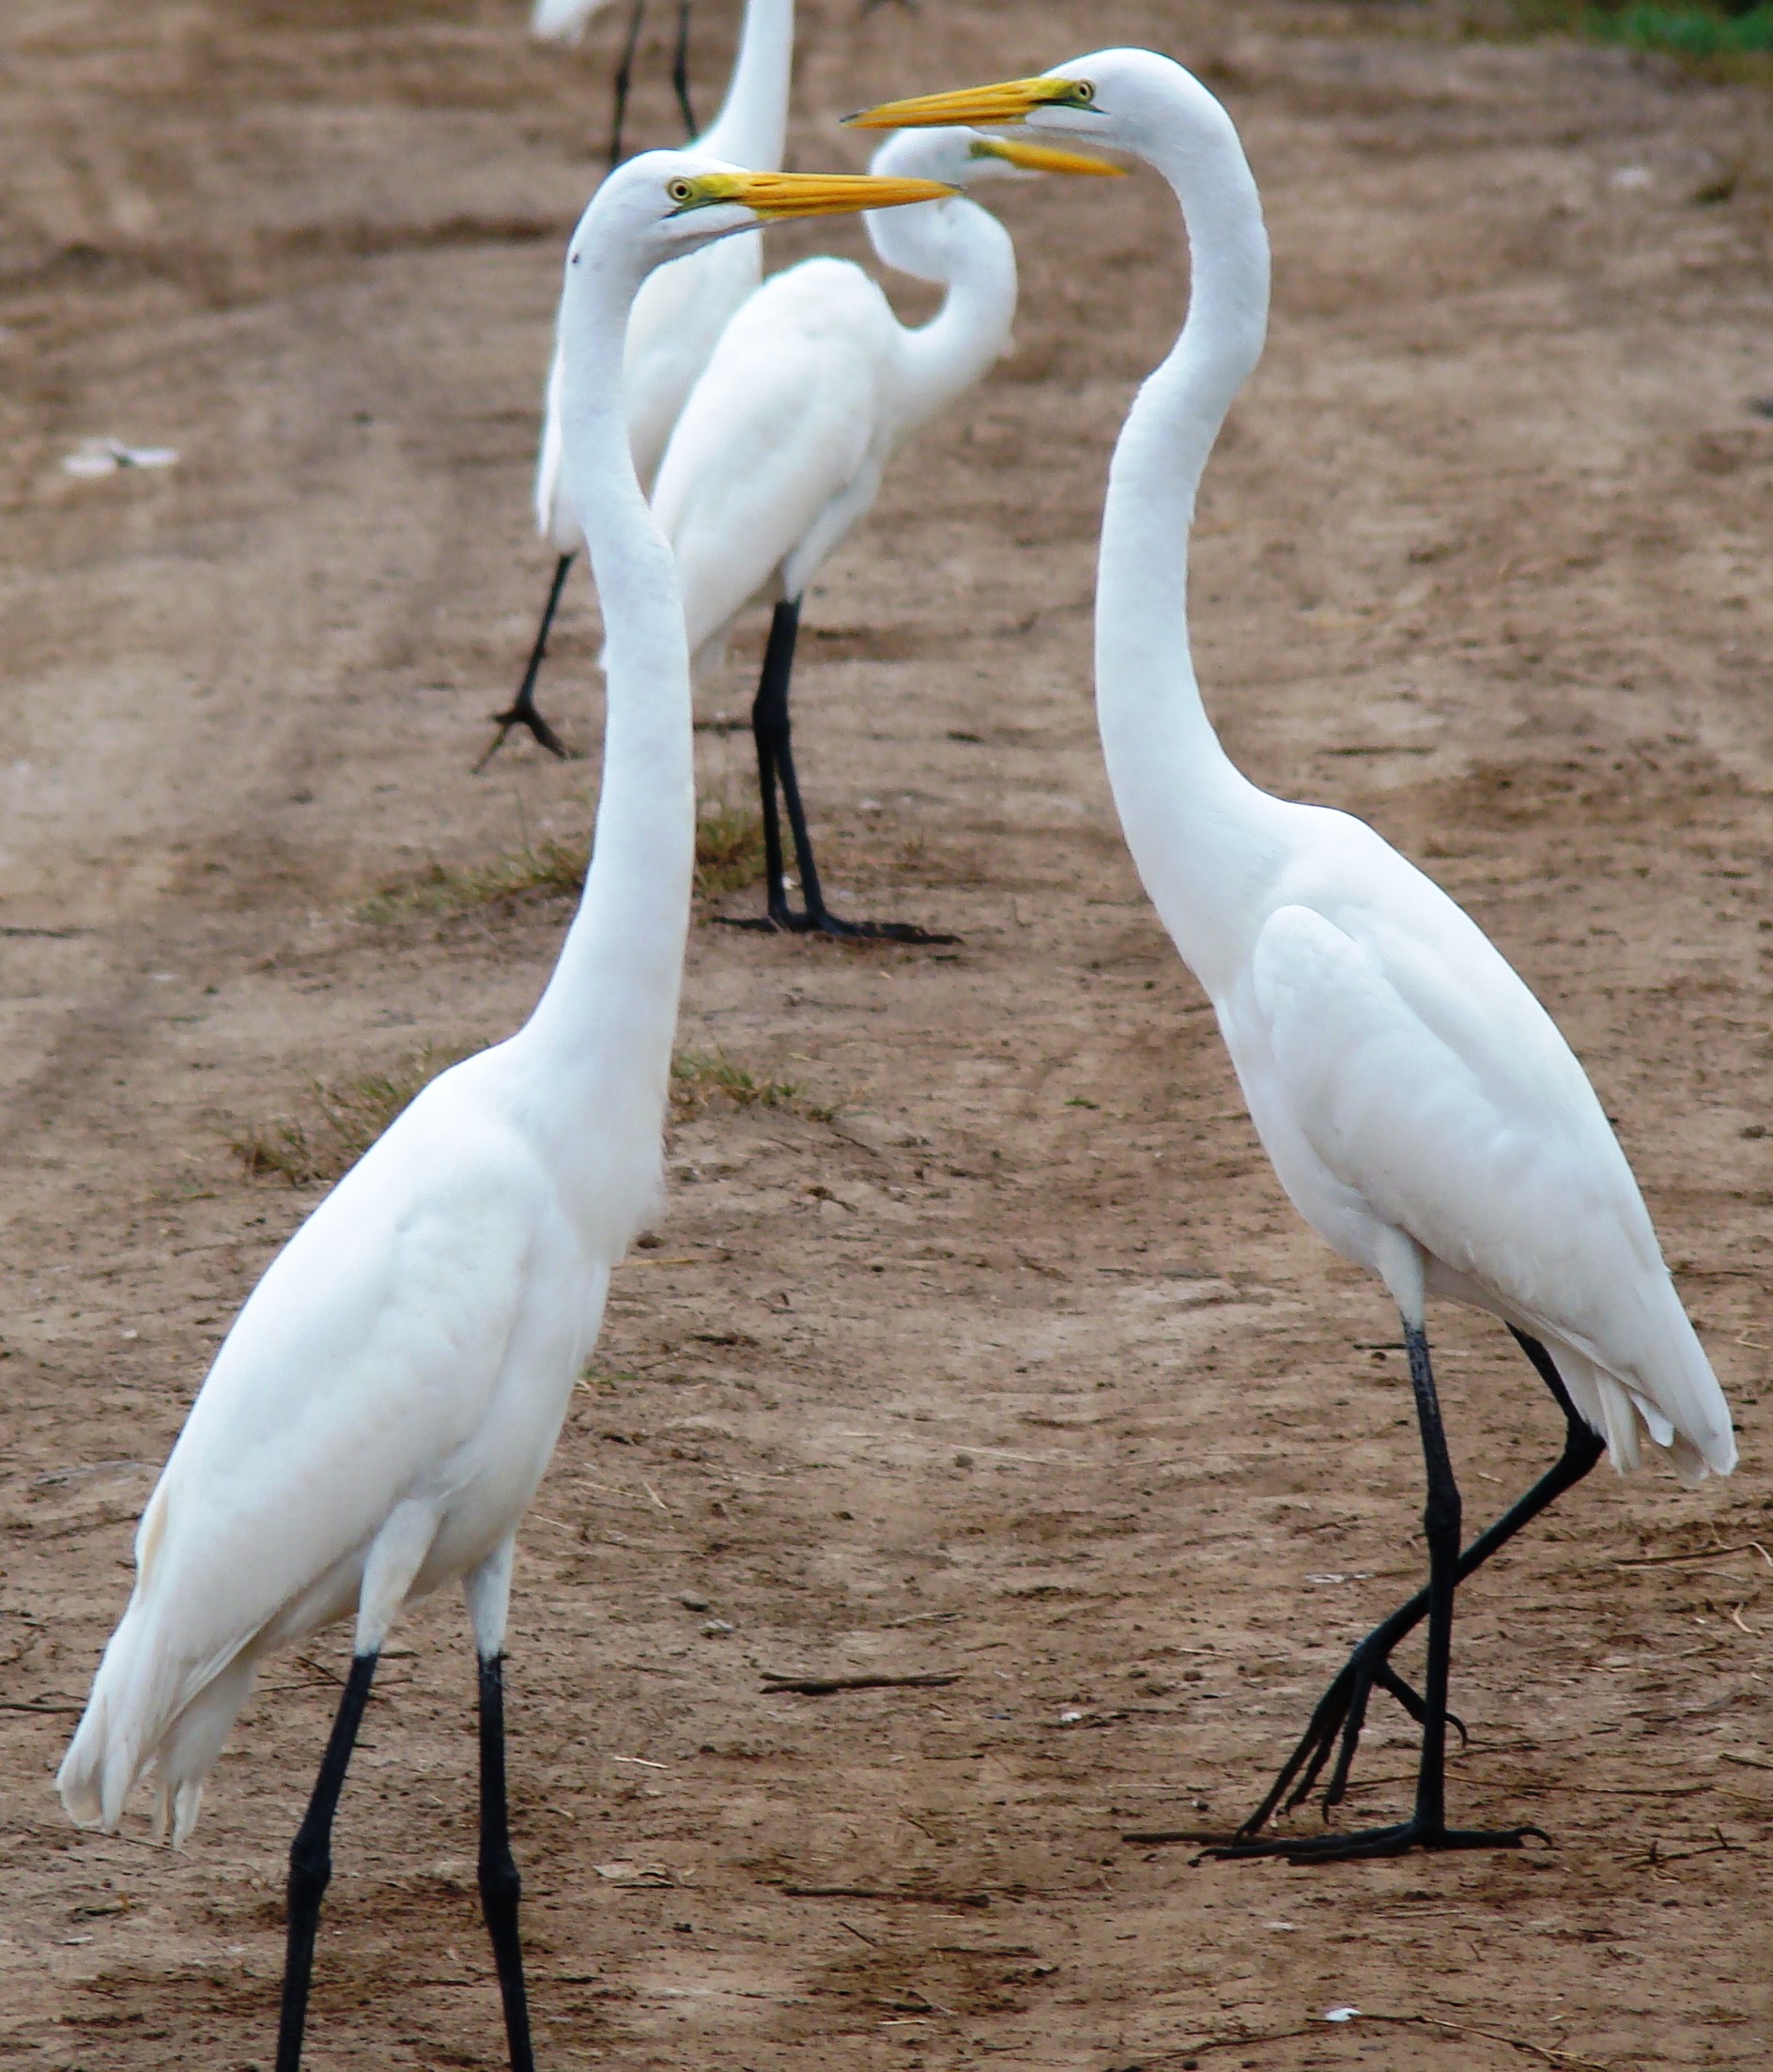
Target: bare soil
[{"x": 992, "y": 1349}]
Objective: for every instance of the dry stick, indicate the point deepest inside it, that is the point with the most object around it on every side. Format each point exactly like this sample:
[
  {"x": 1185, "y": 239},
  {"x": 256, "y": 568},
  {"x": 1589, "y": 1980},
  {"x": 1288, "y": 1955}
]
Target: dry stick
[
  {"x": 823, "y": 1687},
  {"x": 1241, "y": 2041},
  {"x": 36, "y": 1705},
  {"x": 868, "y": 1892},
  {"x": 1710, "y": 1553}
]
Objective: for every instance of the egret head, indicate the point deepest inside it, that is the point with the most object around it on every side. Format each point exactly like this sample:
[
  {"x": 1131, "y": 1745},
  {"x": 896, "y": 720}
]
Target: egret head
[
  {"x": 1119, "y": 99},
  {"x": 664, "y": 204},
  {"x": 960, "y": 158}
]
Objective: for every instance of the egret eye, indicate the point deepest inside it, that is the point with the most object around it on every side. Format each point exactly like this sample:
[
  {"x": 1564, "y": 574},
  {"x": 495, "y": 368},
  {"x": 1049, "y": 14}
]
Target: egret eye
[
  {"x": 681, "y": 192},
  {"x": 1082, "y": 92}
]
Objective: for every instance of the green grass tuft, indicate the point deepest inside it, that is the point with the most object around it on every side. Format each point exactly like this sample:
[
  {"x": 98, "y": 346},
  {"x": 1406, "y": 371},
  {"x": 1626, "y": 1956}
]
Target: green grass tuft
[
  {"x": 729, "y": 847},
  {"x": 700, "y": 1077},
  {"x": 728, "y": 855},
  {"x": 345, "y": 1118},
  {"x": 1686, "y": 28}
]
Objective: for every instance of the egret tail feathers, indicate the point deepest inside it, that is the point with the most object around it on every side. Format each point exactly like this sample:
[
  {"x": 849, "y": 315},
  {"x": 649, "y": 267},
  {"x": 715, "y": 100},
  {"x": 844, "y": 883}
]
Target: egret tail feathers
[
  {"x": 146, "y": 1713},
  {"x": 1700, "y": 1444}
]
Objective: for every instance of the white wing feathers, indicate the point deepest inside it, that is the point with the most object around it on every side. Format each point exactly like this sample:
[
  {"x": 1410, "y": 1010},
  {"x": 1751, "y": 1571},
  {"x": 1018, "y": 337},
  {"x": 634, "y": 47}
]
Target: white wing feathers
[
  {"x": 563, "y": 20},
  {"x": 1435, "y": 1088},
  {"x": 775, "y": 441},
  {"x": 360, "y": 1375}
]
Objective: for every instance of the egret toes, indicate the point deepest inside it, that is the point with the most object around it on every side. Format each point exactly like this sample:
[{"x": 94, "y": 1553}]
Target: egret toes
[
  {"x": 1397, "y": 1840},
  {"x": 521, "y": 712},
  {"x": 784, "y": 920},
  {"x": 1336, "y": 1729}
]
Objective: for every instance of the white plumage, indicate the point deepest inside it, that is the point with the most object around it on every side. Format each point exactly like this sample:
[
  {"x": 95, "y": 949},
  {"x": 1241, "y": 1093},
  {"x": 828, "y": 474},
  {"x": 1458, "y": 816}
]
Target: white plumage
[
  {"x": 779, "y": 451},
  {"x": 676, "y": 318},
  {"x": 1420, "y": 1106},
  {"x": 681, "y": 310},
  {"x": 380, "y": 1415},
  {"x": 563, "y": 21},
  {"x": 384, "y": 1406}
]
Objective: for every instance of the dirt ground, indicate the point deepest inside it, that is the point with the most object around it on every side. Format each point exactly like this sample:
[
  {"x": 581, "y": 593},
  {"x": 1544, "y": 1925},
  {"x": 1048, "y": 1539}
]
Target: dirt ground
[{"x": 992, "y": 1349}]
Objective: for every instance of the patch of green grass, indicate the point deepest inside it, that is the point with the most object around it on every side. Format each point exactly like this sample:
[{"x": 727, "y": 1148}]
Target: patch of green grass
[
  {"x": 548, "y": 866},
  {"x": 700, "y": 1077},
  {"x": 343, "y": 1119},
  {"x": 728, "y": 855},
  {"x": 1690, "y": 28},
  {"x": 729, "y": 847}
]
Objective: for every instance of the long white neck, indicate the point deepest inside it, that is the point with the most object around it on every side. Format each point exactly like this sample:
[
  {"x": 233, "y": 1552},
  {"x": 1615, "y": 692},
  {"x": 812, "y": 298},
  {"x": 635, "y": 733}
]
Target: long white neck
[
  {"x": 1200, "y": 833},
  {"x": 963, "y": 248},
  {"x": 752, "y": 126},
  {"x": 606, "y": 1017}
]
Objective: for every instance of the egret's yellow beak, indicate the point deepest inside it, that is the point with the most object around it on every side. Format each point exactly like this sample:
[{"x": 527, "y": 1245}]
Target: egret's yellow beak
[
  {"x": 982, "y": 107},
  {"x": 1044, "y": 157},
  {"x": 777, "y": 196}
]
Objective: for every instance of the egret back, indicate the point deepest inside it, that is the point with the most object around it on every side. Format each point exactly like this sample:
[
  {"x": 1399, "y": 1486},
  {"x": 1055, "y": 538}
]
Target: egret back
[
  {"x": 1403, "y": 1076},
  {"x": 778, "y": 435},
  {"x": 417, "y": 1339}
]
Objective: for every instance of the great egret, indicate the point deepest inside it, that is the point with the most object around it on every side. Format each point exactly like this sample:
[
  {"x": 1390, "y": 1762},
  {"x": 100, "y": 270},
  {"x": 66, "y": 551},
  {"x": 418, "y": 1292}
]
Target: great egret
[
  {"x": 385, "y": 1404},
  {"x": 780, "y": 448},
  {"x": 566, "y": 20},
  {"x": 677, "y": 317},
  {"x": 1419, "y": 1105}
]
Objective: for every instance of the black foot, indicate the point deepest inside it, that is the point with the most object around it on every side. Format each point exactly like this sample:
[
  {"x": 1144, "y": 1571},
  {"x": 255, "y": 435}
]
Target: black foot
[
  {"x": 523, "y": 714},
  {"x": 1393, "y": 1841},
  {"x": 784, "y": 920},
  {"x": 1339, "y": 1717}
]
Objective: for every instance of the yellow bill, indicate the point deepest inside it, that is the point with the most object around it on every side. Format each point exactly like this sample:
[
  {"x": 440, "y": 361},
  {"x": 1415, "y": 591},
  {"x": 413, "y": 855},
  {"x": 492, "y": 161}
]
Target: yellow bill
[
  {"x": 778, "y": 197},
  {"x": 1011, "y": 100},
  {"x": 1044, "y": 157}
]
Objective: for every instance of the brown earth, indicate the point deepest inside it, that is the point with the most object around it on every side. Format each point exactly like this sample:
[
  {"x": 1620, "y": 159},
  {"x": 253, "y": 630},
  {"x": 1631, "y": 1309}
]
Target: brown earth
[{"x": 993, "y": 1349}]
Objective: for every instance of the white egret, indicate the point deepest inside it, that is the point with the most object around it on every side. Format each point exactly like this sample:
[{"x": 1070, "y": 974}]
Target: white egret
[
  {"x": 1420, "y": 1106},
  {"x": 780, "y": 448},
  {"x": 385, "y": 1402},
  {"x": 677, "y": 316}
]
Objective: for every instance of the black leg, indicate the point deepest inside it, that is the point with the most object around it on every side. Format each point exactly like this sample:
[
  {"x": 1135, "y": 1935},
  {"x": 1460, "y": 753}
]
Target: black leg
[
  {"x": 521, "y": 711},
  {"x": 1427, "y": 1827},
  {"x": 776, "y": 765},
  {"x": 1341, "y": 1711},
  {"x": 311, "y": 1861},
  {"x": 499, "y": 1885},
  {"x": 625, "y": 74},
  {"x": 680, "y": 68}
]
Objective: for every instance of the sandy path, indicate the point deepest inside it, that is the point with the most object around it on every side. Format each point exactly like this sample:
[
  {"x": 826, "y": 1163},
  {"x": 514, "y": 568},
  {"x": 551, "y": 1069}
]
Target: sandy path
[{"x": 1017, "y": 1364}]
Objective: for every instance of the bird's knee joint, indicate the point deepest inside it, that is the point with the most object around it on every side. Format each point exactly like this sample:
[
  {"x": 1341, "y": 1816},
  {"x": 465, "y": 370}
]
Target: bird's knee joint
[
  {"x": 499, "y": 1881},
  {"x": 310, "y": 1866},
  {"x": 1442, "y": 1518}
]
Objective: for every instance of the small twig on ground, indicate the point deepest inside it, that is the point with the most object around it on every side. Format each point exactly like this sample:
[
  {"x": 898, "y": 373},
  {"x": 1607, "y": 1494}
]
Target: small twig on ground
[
  {"x": 823, "y": 1687},
  {"x": 871, "y": 1891},
  {"x": 38, "y": 1705},
  {"x": 873, "y": 1941},
  {"x": 1708, "y": 1554},
  {"x": 1236, "y": 2040}
]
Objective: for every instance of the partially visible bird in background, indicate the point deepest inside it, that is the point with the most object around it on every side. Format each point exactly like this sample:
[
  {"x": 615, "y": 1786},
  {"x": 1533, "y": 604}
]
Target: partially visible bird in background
[
  {"x": 779, "y": 451},
  {"x": 566, "y": 20},
  {"x": 677, "y": 317}
]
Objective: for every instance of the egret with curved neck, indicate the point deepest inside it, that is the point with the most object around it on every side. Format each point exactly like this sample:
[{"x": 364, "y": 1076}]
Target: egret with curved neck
[
  {"x": 1420, "y": 1106},
  {"x": 677, "y": 317},
  {"x": 780, "y": 449},
  {"x": 385, "y": 1402}
]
